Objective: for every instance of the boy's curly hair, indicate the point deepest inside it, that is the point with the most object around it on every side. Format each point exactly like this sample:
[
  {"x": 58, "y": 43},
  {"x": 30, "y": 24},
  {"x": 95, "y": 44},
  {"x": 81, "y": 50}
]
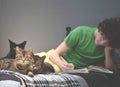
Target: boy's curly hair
[{"x": 111, "y": 29}]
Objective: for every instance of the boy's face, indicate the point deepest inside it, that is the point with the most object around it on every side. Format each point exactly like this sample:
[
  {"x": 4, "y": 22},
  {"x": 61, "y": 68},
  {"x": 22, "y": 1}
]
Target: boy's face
[{"x": 100, "y": 39}]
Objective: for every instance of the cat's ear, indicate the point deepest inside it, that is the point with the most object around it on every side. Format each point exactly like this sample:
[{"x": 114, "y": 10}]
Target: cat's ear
[
  {"x": 12, "y": 44},
  {"x": 22, "y": 45},
  {"x": 30, "y": 51},
  {"x": 18, "y": 50},
  {"x": 42, "y": 59},
  {"x": 39, "y": 58}
]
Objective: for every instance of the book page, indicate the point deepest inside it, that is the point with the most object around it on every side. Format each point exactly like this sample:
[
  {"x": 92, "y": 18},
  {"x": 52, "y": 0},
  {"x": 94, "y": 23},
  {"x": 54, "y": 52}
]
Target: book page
[
  {"x": 99, "y": 69},
  {"x": 91, "y": 68},
  {"x": 83, "y": 70}
]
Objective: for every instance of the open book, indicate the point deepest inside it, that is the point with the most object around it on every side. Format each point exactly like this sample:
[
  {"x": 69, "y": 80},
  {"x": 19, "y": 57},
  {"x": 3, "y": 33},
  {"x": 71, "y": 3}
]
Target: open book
[
  {"x": 92, "y": 68},
  {"x": 99, "y": 69}
]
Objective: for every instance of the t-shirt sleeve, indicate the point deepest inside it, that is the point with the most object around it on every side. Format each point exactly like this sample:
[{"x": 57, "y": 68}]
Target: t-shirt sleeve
[{"x": 74, "y": 37}]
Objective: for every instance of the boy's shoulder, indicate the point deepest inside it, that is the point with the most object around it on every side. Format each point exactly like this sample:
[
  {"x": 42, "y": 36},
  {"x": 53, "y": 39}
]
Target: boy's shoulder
[{"x": 84, "y": 29}]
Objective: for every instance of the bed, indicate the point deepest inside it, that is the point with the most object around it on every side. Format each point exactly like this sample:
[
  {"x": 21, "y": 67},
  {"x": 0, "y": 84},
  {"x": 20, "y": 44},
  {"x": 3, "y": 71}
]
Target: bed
[
  {"x": 92, "y": 79},
  {"x": 40, "y": 80}
]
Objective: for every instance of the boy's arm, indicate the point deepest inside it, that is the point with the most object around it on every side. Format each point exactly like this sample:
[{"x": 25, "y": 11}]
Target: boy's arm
[
  {"x": 109, "y": 64},
  {"x": 56, "y": 57}
]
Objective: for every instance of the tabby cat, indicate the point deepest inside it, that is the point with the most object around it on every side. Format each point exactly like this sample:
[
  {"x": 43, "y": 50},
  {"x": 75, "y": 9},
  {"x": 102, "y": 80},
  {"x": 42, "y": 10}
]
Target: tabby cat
[
  {"x": 41, "y": 67},
  {"x": 22, "y": 63}
]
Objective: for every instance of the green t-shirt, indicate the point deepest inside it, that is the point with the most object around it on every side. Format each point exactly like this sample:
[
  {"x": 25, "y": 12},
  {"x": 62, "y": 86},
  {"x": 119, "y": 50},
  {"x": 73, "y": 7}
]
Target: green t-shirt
[{"x": 83, "y": 50}]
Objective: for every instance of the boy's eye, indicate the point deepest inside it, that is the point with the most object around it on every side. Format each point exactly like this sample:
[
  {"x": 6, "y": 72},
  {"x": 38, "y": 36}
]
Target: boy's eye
[{"x": 103, "y": 36}]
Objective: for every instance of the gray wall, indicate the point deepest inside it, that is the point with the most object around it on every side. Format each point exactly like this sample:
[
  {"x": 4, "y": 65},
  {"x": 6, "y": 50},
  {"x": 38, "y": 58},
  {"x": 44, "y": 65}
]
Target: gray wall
[{"x": 42, "y": 22}]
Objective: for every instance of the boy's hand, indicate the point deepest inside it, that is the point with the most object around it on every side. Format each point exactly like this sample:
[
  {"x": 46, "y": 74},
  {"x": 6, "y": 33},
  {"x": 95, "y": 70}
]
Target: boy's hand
[
  {"x": 108, "y": 48},
  {"x": 66, "y": 67},
  {"x": 109, "y": 63}
]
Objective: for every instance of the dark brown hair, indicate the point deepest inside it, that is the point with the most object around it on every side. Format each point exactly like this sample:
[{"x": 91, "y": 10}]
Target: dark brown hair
[{"x": 111, "y": 29}]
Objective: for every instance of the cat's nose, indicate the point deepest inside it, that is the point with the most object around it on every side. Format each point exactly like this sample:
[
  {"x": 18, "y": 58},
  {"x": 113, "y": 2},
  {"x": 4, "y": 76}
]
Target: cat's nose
[{"x": 23, "y": 60}]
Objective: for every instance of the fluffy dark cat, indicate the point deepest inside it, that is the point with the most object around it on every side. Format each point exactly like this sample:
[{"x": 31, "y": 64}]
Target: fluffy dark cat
[
  {"x": 41, "y": 67},
  {"x": 23, "y": 63},
  {"x": 12, "y": 52}
]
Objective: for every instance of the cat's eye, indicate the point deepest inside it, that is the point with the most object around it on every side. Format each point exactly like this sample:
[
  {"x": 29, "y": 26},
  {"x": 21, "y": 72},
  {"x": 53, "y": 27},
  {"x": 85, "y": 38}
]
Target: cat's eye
[
  {"x": 18, "y": 56},
  {"x": 28, "y": 57}
]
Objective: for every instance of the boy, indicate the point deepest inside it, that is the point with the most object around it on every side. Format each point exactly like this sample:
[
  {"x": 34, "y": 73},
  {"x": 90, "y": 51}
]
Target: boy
[{"x": 87, "y": 45}]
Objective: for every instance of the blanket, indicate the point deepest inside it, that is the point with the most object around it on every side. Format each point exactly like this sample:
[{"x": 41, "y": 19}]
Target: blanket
[{"x": 48, "y": 80}]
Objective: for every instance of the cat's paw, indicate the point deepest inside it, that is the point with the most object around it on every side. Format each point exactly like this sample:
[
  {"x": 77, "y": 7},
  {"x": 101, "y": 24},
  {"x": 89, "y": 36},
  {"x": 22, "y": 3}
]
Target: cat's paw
[{"x": 30, "y": 74}]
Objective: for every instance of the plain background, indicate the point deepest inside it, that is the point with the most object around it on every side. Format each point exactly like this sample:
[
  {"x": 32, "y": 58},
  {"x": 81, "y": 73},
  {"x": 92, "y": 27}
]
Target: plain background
[{"x": 42, "y": 23}]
